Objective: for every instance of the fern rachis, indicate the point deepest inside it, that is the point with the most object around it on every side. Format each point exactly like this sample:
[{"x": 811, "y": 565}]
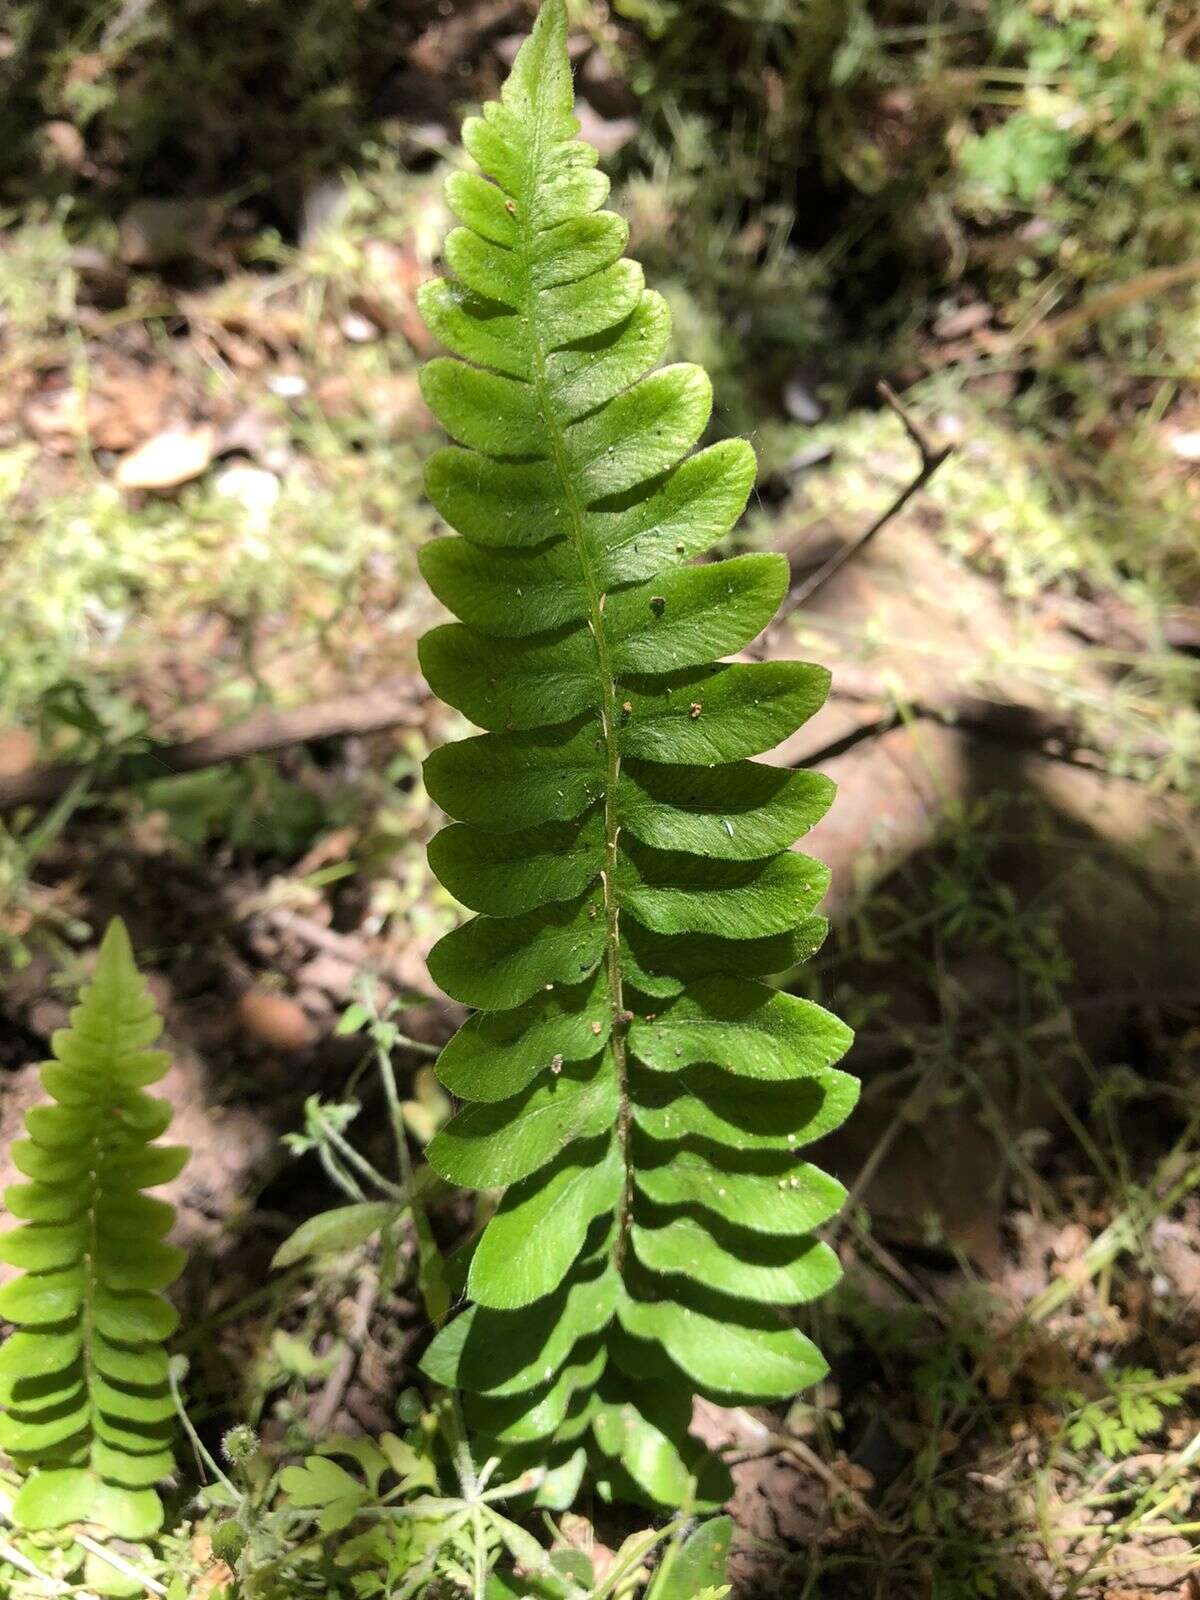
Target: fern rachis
[
  {"x": 83, "y": 1382},
  {"x": 636, "y": 1090}
]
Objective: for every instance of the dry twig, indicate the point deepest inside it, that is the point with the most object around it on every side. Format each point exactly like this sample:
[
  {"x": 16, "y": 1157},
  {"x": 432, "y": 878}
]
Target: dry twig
[
  {"x": 389, "y": 705},
  {"x": 932, "y": 455},
  {"x": 330, "y": 1399}
]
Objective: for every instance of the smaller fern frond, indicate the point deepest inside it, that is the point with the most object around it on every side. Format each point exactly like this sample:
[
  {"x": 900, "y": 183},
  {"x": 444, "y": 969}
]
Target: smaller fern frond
[{"x": 87, "y": 1409}]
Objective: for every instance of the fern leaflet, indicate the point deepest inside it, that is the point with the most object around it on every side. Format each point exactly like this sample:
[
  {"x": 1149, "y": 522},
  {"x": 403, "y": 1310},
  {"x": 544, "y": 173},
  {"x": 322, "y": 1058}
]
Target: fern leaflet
[
  {"x": 636, "y": 1090},
  {"x": 83, "y": 1382}
]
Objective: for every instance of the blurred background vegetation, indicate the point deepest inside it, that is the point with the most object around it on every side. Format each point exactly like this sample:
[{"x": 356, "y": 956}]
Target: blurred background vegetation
[
  {"x": 996, "y": 202},
  {"x": 213, "y": 216}
]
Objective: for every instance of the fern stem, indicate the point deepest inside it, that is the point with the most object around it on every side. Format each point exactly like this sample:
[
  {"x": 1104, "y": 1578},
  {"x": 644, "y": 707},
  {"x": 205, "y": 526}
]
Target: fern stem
[
  {"x": 345, "y": 1149},
  {"x": 608, "y": 720},
  {"x": 204, "y": 1456},
  {"x": 87, "y": 1310},
  {"x": 602, "y": 831}
]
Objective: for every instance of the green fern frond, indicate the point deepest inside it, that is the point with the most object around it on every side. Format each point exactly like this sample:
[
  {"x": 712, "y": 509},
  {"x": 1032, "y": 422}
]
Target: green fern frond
[
  {"x": 633, "y": 1087},
  {"x": 83, "y": 1383}
]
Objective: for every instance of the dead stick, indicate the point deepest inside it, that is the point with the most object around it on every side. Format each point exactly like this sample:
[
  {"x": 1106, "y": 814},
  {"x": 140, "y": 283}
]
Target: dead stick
[
  {"x": 348, "y": 949},
  {"x": 932, "y": 456},
  {"x": 334, "y": 1392},
  {"x": 387, "y": 705}
]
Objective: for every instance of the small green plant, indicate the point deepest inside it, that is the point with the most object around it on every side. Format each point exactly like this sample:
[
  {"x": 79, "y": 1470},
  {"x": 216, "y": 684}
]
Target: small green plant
[
  {"x": 325, "y": 1133},
  {"x": 368, "y": 1518},
  {"x": 1128, "y": 1413},
  {"x": 638, "y": 1094},
  {"x": 84, "y": 1383}
]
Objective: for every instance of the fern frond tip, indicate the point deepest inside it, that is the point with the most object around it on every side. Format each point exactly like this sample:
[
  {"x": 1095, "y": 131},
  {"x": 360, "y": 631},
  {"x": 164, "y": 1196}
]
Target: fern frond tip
[{"x": 85, "y": 1406}]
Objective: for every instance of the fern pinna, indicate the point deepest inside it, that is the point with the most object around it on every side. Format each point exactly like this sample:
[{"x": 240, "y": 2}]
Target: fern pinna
[
  {"x": 635, "y": 1089},
  {"x": 83, "y": 1383}
]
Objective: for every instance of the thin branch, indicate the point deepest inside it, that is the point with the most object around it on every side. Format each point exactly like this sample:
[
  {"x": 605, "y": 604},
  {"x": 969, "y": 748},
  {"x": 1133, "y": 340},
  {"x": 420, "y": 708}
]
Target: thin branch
[
  {"x": 1013, "y": 726},
  {"x": 932, "y": 456},
  {"x": 334, "y": 1392},
  {"x": 389, "y": 705},
  {"x": 119, "y": 1564},
  {"x": 204, "y": 1456},
  {"x": 14, "y": 1558},
  {"x": 347, "y": 948}
]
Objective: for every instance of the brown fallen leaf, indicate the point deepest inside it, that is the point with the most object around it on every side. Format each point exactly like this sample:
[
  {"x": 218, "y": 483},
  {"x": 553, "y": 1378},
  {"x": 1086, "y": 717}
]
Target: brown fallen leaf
[
  {"x": 65, "y": 144},
  {"x": 274, "y": 1019},
  {"x": 444, "y": 45},
  {"x": 131, "y": 406},
  {"x": 18, "y": 752},
  {"x": 122, "y": 407},
  {"x": 58, "y": 418},
  {"x": 387, "y": 294},
  {"x": 962, "y": 320},
  {"x": 214, "y": 1581},
  {"x": 335, "y": 846},
  {"x": 175, "y": 456},
  {"x": 608, "y": 134}
]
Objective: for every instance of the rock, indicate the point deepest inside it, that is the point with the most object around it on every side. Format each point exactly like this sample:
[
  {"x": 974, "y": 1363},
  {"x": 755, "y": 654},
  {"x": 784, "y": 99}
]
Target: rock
[
  {"x": 398, "y": 406},
  {"x": 898, "y": 794},
  {"x": 58, "y": 418},
  {"x": 288, "y": 385},
  {"x": 448, "y": 45},
  {"x": 128, "y": 404},
  {"x": 800, "y": 403},
  {"x": 254, "y": 431},
  {"x": 889, "y": 804},
  {"x": 253, "y": 488},
  {"x": 358, "y": 329},
  {"x": 1175, "y": 1245},
  {"x": 315, "y": 1003},
  {"x": 217, "y": 1578},
  {"x": 323, "y": 206},
  {"x": 122, "y": 406},
  {"x": 175, "y": 456},
  {"x": 1122, "y": 861},
  {"x": 816, "y": 455},
  {"x": 154, "y": 233},
  {"x": 395, "y": 402},
  {"x": 1185, "y": 444}
]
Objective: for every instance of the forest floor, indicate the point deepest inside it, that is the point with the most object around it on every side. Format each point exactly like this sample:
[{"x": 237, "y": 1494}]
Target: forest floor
[{"x": 210, "y": 454}]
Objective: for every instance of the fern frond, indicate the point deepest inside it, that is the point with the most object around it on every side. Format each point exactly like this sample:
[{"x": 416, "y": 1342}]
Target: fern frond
[
  {"x": 637, "y": 1092},
  {"x": 87, "y": 1409}
]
